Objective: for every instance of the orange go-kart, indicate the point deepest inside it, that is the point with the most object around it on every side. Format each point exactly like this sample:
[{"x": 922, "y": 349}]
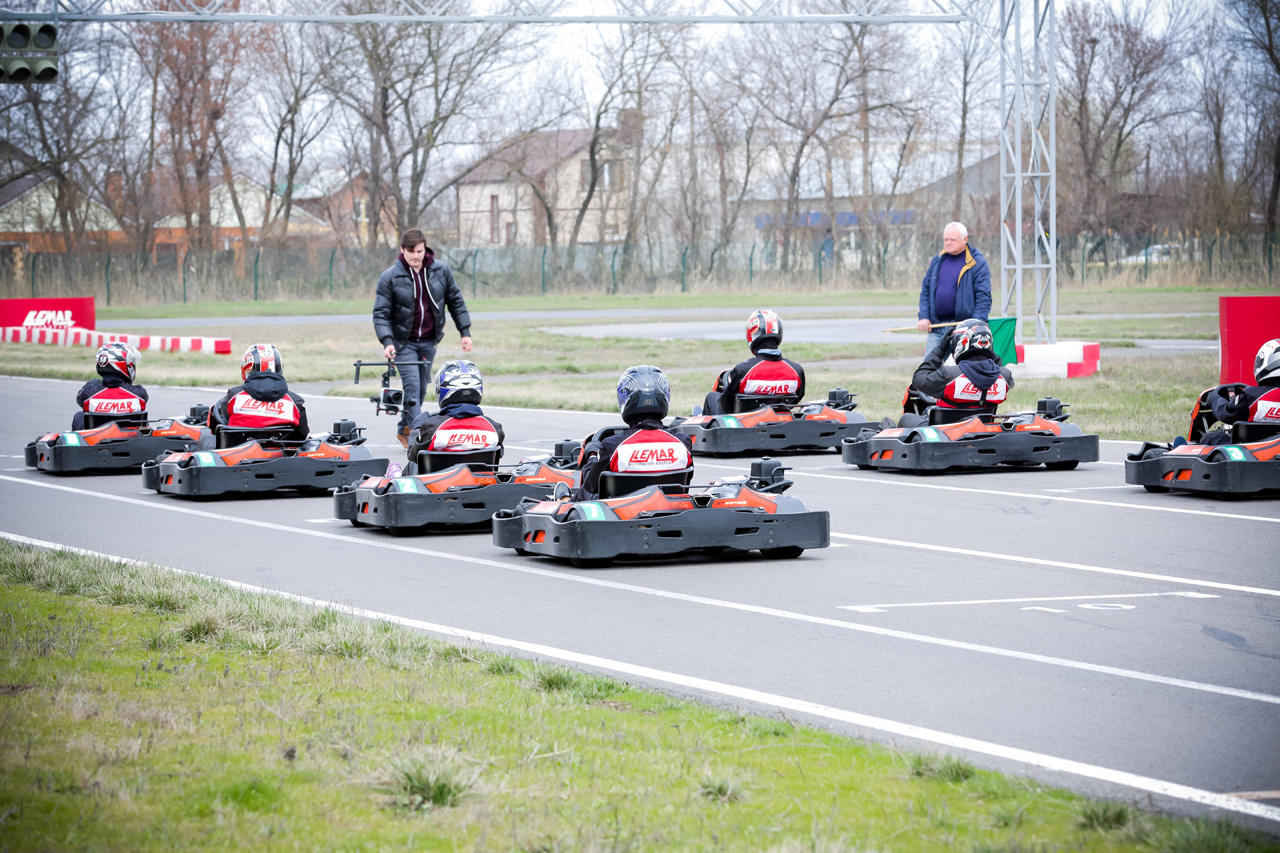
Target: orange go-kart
[
  {"x": 115, "y": 444},
  {"x": 759, "y": 428},
  {"x": 958, "y": 438},
  {"x": 643, "y": 515},
  {"x": 458, "y": 490},
  {"x": 1249, "y": 465},
  {"x": 262, "y": 460}
]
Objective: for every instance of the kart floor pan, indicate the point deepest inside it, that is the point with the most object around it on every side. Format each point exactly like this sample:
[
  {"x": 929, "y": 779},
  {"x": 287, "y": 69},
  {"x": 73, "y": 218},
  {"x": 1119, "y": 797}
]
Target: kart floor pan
[
  {"x": 1001, "y": 449},
  {"x": 664, "y": 535},
  {"x": 287, "y": 473},
  {"x": 407, "y": 510}
]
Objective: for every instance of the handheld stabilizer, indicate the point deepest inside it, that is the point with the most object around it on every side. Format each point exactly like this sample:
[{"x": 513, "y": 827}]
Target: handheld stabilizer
[{"x": 389, "y": 400}]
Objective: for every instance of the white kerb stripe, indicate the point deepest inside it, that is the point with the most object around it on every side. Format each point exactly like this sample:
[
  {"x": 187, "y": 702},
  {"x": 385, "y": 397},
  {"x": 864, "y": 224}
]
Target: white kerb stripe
[{"x": 1158, "y": 787}]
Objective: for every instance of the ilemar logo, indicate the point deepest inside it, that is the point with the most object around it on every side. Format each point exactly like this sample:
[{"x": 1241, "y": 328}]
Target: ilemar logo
[{"x": 44, "y": 319}]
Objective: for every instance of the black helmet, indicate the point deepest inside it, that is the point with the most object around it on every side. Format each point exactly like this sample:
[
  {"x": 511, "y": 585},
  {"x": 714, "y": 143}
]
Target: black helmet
[
  {"x": 764, "y": 330},
  {"x": 971, "y": 339},
  {"x": 118, "y": 360},
  {"x": 643, "y": 392}
]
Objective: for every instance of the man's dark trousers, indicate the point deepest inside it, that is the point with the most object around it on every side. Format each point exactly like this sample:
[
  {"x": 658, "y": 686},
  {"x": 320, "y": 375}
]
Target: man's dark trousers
[{"x": 416, "y": 378}]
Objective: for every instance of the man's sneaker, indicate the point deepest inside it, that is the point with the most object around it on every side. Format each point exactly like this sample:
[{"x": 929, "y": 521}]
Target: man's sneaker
[
  {"x": 402, "y": 436},
  {"x": 1178, "y": 442},
  {"x": 888, "y": 423},
  {"x": 393, "y": 470}
]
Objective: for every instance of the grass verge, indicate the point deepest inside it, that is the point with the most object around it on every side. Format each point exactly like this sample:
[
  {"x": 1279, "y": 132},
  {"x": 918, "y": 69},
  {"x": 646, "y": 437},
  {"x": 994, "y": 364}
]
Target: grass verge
[{"x": 126, "y": 727}]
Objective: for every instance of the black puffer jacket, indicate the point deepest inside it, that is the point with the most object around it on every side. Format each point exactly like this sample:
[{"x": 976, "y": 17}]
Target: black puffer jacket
[{"x": 393, "y": 305}]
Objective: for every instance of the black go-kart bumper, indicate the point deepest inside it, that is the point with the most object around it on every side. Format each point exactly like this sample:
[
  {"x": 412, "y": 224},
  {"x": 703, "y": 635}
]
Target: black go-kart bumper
[
  {"x": 1219, "y": 472},
  {"x": 717, "y": 439},
  {"x": 131, "y": 453},
  {"x": 190, "y": 479},
  {"x": 586, "y": 542},
  {"x": 1006, "y": 448},
  {"x": 403, "y": 505}
]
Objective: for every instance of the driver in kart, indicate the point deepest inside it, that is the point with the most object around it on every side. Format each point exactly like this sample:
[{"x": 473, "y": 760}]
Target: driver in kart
[
  {"x": 765, "y": 375},
  {"x": 113, "y": 396},
  {"x": 975, "y": 380},
  {"x": 644, "y": 395},
  {"x": 263, "y": 400},
  {"x": 1259, "y": 403},
  {"x": 460, "y": 426}
]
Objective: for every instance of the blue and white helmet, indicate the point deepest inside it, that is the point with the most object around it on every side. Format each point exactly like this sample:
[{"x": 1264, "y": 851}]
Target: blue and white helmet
[
  {"x": 643, "y": 392},
  {"x": 459, "y": 382}
]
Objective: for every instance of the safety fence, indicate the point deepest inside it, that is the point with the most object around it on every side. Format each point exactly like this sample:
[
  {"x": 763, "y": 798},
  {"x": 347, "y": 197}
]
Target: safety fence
[{"x": 326, "y": 272}]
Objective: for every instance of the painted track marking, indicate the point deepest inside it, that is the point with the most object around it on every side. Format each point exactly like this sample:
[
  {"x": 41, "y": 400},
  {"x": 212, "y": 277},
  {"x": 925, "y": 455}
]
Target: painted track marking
[
  {"x": 880, "y": 608},
  {"x": 695, "y": 599},
  {"x": 1228, "y": 802}
]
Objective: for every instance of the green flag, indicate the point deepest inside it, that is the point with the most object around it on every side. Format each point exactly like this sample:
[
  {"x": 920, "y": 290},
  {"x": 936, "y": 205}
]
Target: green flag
[{"x": 1002, "y": 330}]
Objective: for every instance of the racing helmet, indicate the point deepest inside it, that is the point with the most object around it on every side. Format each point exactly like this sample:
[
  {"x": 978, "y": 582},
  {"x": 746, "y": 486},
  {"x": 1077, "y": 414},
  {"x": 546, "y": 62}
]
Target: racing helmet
[
  {"x": 971, "y": 339},
  {"x": 1266, "y": 365},
  {"x": 261, "y": 358},
  {"x": 643, "y": 392},
  {"x": 764, "y": 330},
  {"x": 119, "y": 360},
  {"x": 459, "y": 382}
]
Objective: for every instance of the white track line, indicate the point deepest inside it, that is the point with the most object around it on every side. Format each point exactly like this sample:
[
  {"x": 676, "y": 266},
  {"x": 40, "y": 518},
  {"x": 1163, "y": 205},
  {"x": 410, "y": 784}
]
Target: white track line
[
  {"x": 697, "y": 599},
  {"x": 1226, "y": 802},
  {"x": 880, "y": 608},
  {"x": 900, "y": 480}
]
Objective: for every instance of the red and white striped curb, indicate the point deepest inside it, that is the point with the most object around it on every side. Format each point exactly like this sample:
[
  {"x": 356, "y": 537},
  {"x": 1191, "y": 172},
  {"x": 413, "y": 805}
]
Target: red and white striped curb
[
  {"x": 91, "y": 338},
  {"x": 1064, "y": 360}
]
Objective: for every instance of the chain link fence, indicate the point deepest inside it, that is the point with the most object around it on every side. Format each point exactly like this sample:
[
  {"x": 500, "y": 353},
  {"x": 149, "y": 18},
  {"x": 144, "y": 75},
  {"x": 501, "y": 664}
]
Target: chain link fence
[{"x": 326, "y": 272}]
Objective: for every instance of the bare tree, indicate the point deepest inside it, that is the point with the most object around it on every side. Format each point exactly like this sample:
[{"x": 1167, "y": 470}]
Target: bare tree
[{"x": 1258, "y": 24}]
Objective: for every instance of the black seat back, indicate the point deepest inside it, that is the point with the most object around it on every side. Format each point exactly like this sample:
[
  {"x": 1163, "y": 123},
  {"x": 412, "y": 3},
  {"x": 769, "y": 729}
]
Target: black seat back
[
  {"x": 940, "y": 415},
  {"x": 1245, "y": 432},
  {"x": 234, "y": 436},
  {"x": 93, "y": 421},
  {"x": 615, "y": 484},
  {"x": 751, "y": 402},
  {"x": 438, "y": 460}
]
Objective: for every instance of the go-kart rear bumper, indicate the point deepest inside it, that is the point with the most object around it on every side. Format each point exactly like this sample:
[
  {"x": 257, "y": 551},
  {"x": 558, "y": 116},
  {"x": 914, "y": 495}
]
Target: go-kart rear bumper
[
  {"x": 469, "y": 507},
  {"x": 108, "y": 456},
  {"x": 1006, "y": 448},
  {"x": 1194, "y": 474},
  {"x": 775, "y": 437},
  {"x": 669, "y": 534},
  {"x": 263, "y": 476}
]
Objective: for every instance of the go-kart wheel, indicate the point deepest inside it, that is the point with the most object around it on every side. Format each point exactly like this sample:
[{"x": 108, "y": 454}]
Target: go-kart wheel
[
  {"x": 588, "y": 563},
  {"x": 1158, "y": 490},
  {"x": 523, "y": 553},
  {"x": 1066, "y": 465},
  {"x": 356, "y": 523},
  {"x": 790, "y": 552},
  {"x": 862, "y": 467}
]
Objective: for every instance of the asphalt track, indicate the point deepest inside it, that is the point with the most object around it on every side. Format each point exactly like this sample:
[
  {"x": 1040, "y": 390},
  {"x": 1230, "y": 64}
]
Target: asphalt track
[{"x": 1060, "y": 625}]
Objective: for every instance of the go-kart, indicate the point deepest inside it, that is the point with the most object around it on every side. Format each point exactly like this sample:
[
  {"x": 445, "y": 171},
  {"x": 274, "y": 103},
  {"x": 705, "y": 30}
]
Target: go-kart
[
  {"x": 262, "y": 460},
  {"x": 961, "y": 438},
  {"x": 643, "y": 515},
  {"x": 454, "y": 490},
  {"x": 118, "y": 444},
  {"x": 1250, "y": 464},
  {"x": 759, "y": 427}
]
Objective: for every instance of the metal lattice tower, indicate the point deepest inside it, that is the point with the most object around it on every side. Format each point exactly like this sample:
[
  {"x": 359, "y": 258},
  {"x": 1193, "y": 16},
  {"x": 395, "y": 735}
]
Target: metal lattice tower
[{"x": 1025, "y": 36}]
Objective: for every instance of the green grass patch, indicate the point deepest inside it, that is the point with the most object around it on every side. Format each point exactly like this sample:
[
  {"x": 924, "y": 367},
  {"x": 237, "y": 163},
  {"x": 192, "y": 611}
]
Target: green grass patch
[{"x": 124, "y": 729}]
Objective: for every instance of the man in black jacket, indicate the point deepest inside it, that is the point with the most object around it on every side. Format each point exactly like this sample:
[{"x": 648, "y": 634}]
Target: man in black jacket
[{"x": 408, "y": 317}]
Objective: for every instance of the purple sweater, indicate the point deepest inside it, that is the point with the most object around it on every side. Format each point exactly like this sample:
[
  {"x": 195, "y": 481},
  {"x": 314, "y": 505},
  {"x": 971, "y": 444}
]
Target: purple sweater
[{"x": 944, "y": 298}]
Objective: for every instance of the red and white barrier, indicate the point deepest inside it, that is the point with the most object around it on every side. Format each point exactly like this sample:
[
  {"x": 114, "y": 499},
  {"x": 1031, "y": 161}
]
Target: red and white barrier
[
  {"x": 1063, "y": 360},
  {"x": 92, "y": 338}
]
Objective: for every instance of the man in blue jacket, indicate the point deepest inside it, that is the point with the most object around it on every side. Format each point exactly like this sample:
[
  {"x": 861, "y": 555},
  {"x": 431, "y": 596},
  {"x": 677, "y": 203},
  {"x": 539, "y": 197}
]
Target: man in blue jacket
[
  {"x": 408, "y": 317},
  {"x": 956, "y": 287}
]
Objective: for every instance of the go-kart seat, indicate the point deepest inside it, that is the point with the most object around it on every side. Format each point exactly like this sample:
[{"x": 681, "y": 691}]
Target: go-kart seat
[
  {"x": 93, "y": 421},
  {"x": 1245, "y": 432},
  {"x": 430, "y": 461},
  {"x": 615, "y": 484},
  {"x": 226, "y": 436},
  {"x": 939, "y": 415},
  {"x": 751, "y": 402}
]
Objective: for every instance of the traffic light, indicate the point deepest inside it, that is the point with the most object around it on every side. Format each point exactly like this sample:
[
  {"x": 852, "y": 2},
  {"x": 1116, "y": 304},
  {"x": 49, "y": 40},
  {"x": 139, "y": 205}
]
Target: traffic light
[{"x": 29, "y": 53}]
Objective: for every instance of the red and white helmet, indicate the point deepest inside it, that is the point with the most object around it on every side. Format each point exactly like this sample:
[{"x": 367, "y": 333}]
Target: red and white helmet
[
  {"x": 1266, "y": 365},
  {"x": 261, "y": 358},
  {"x": 764, "y": 330},
  {"x": 119, "y": 360}
]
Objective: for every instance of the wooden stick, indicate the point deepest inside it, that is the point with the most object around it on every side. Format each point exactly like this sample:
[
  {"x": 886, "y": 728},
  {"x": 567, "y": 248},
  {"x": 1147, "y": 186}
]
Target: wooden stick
[{"x": 914, "y": 329}]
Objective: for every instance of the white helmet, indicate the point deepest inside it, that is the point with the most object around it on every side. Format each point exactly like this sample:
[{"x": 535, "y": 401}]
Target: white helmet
[{"x": 1266, "y": 366}]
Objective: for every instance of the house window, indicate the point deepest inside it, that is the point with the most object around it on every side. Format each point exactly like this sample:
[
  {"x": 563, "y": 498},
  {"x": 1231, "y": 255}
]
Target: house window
[
  {"x": 610, "y": 176},
  {"x": 493, "y": 219},
  {"x": 511, "y": 233}
]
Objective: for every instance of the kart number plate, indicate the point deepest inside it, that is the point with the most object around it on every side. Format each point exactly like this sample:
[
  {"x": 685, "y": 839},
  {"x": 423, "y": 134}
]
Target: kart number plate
[
  {"x": 71, "y": 439},
  {"x": 1235, "y": 453},
  {"x": 408, "y": 484},
  {"x": 930, "y": 434},
  {"x": 205, "y": 459},
  {"x": 591, "y": 512},
  {"x": 732, "y": 422}
]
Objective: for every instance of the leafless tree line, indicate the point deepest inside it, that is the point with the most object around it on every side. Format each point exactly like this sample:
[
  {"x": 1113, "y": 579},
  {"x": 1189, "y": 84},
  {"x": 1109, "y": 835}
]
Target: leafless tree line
[{"x": 1169, "y": 116}]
